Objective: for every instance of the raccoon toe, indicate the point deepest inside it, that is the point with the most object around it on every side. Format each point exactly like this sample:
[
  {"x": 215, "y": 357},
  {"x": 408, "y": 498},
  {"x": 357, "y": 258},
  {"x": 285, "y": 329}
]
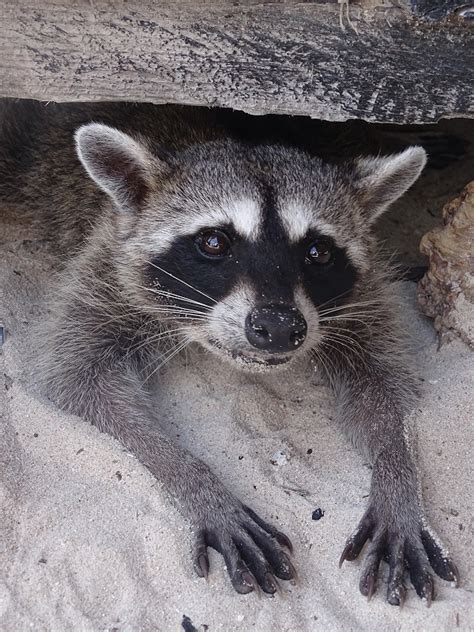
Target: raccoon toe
[
  {"x": 419, "y": 570},
  {"x": 439, "y": 558},
  {"x": 396, "y": 590},
  {"x": 280, "y": 537},
  {"x": 357, "y": 540},
  {"x": 370, "y": 569}
]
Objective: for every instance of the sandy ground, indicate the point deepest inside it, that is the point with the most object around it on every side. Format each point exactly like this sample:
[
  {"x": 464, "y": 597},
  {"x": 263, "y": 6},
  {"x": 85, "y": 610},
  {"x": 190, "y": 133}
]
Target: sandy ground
[{"x": 88, "y": 541}]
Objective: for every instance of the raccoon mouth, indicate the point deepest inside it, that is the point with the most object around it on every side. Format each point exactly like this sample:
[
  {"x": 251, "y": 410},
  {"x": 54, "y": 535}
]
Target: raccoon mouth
[
  {"x": 250, "y": 360},
  {"x": 246, "y": 359}
]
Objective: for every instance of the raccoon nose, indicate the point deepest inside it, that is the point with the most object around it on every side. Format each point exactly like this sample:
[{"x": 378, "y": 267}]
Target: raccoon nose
[{"x": 276, "y": 328}]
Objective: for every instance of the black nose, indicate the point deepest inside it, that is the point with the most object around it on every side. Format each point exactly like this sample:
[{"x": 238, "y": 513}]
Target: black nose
[{"x": 276, "y": 328}]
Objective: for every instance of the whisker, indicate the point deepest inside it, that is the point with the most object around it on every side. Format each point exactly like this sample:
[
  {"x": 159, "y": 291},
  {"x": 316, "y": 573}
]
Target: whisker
[
  {"x": 167, "y": 357},
  {"x": 167, "y": 294},
  {"x": 345, "y": 342},
  {"x": 179, "y": 311},
  {"x": 337, "y": 308},
  {"x": 183, "y": 282},
  {"x": 175, "y": 309},
  {"x": 345, "y": 317},
  {"x": 322, "y": 361},
  {"x": 150, "y": 340},
  {"x": 334, "y": 298},
  {"x": 339, "y": 330},
  {"x": 348, "y": 320}
]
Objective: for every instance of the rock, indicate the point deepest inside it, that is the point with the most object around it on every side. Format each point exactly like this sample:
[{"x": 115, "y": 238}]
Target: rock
[{"x": 446, "y": 292}]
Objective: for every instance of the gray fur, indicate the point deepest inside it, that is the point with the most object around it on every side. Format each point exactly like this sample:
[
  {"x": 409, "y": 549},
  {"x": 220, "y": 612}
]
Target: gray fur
[{"x": 107, "y": 332}]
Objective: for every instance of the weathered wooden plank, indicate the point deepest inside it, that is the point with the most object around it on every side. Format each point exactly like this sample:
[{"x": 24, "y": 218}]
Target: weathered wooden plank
[
  {"x": 260, "y": 57},
  {"x": 436, "y": 9}
]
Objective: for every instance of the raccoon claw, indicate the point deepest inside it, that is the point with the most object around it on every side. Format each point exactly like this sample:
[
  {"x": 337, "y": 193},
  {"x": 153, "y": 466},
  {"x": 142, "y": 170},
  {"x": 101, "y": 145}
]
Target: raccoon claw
[
  {"x": 204, "y": 566},
  {"x": 355, "y": 543},
  {"x": 201, "y": 561},
  {"x": 367, "y": 586},
  {"x": 280, "y": 537},
  {"x": 396, "y": 595},
  {"x": 413, "y": 553},
  {"x": 244, "y": 582},
  {"x": 252, "y": 549}
]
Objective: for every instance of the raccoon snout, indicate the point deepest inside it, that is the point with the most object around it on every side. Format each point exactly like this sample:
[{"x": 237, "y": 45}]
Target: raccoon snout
[{"x": 276, "y": 328}]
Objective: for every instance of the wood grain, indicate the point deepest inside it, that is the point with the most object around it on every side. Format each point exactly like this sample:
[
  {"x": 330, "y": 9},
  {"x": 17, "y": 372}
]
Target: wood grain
[{"x": 260, "y": 57}]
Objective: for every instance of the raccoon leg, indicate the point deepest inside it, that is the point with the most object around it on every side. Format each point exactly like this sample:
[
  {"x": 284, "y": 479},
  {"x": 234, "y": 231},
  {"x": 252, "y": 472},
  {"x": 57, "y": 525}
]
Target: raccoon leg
[
  {"x": 374, "y": 399},
  {"x": 111, "y": 396}
]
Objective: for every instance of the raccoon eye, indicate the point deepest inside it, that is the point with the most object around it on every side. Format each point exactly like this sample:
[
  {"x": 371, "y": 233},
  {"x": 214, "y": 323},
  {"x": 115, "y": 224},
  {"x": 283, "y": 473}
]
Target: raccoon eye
[
  {"x": 319, "y": 252},
  {"x": 213, "y": 243}
]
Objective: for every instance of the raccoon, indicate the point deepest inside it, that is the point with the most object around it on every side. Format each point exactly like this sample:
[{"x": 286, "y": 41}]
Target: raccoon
[{"x": 173, "y": 231}]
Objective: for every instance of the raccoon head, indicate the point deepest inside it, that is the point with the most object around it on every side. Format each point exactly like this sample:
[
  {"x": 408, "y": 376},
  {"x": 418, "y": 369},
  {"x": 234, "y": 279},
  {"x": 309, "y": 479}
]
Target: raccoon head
[{"x": 242, "y": 248}]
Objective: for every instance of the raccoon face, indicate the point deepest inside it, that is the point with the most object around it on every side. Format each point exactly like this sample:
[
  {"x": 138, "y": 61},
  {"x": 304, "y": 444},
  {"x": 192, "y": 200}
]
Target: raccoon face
[{"x": 244, "y": 250}]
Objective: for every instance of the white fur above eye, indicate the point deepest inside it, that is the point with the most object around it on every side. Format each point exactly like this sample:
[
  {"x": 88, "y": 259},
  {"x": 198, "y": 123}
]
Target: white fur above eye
[
  {"x": 296, "y": 218},
  {"x": 246, "y": 216}
]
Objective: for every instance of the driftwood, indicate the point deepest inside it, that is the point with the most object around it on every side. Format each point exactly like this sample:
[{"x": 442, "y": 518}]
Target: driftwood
[
  {"x": 446, "y": 292},
  {"x": 369, "y": 59}
]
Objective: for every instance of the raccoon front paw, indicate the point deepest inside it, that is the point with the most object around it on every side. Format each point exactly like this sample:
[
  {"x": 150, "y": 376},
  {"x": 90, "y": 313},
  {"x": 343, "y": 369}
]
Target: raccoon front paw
[
  {"x": 415, "y": 553},
  {"x": 252, "y": 549}
]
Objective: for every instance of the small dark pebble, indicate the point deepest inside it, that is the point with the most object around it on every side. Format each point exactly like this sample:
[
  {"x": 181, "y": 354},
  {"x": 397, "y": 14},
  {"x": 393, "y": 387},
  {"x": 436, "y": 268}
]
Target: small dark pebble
[
  {"x": 35, "y": 434},
  {"x": 317, "y": 514},
  {"x": 461, "y": 527},
  {"x": 80, "y": 450},
  {"x": 118, "y": 475},
  {"x": 42, "y": 561},
  {"x": 187, "y": 624},
  {"x": 310, "y": 451},
  {"x": 454, "y": 512},
  {"x": 2, "y": 335},
  {"x": 240, "y": 458}
]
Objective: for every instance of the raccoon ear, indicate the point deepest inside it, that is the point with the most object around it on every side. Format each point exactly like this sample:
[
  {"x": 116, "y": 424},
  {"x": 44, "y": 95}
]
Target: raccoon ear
[
  {"x": 380, "y": 181},
  {"x": 116, "y": 162}
]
